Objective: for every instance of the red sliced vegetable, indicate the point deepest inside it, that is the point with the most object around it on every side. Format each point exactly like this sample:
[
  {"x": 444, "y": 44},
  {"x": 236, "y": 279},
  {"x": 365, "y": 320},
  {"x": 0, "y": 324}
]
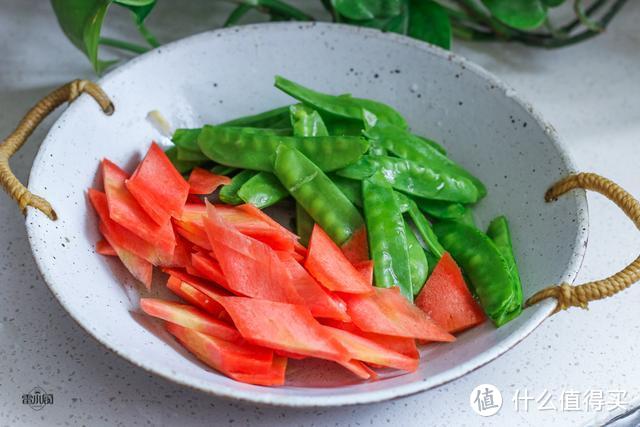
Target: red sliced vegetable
[
  {"x": 201, "y": 181},
  {"x": 356, "y": 249},
  {"x": 208, "y": 268},
  {"x": 326, "y": 262},
  {"x": 369, "y": 351},
  {"x": 315, "y": 297},
  {"x": 365, "y": 268},
  {"x": 189, "y": 317},
  {"x": 123, "y": 238},
  {"x": 387, "y": 312},
  {"x": 275, "y": 376},
  {"x": 139, "y": 268},
  {"x": 259, "y": 214},
  {"x": 447, "y": 300},
  {"x": 283, "y": 326},
  {"x": 250, "y": 267},
  {"x": 127, "y": 212},
  {"x": 192, "y": 232},
  {"x": 104, "y": 248},
  {"x": 158, "y": 186},
  {"x": 194, "y": 296},
  {"x": 360, "y": 369},
  {"x": 222, "y": 355},
  {"x": 402, "y": 345}
]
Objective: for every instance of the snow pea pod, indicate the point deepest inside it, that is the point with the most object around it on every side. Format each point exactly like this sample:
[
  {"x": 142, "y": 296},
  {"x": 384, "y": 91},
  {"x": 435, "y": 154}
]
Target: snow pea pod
[
  {"x": 338, "y": 126},
  {"x": 485, "y": 267},
  {"x": 342, "y": 106},
  {"x": 317, "y": 194},
  {"x": 499, "y": 233},
  {"x": 229, "y": 193},
  {"x": 422, "y": 224},
  {"x": 414, "y": 178},
  {"x": 262, "y": 190},
  {"x": 403, "y": 144},
  {"x": 276, "y": 118},
  {"x": 387, "y": 236},
  {"x": 186, "y": 139},
  {"x": 350, "y": 187},
  {"x": 254, "y": 150},
  {"x": 191, "y": 156},
  {"x": 440, "y": 209},
  {"x": 222, "y": 170},
  {"x": 181, "y": 165},
  {"x": 304, "y": 224},
  {"x": 418, "y": 264},
  {"x": 306, "y": 121}
]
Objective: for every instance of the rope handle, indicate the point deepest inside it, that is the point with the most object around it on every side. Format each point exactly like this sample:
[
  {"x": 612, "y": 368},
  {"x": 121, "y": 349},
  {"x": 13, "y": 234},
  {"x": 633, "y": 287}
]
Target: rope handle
[
  {"x": 67, "y": 93},
  {"x": 581, "y": 295}
]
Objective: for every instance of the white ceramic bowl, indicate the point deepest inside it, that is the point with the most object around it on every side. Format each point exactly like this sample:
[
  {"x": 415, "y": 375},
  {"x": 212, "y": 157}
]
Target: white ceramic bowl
[{"x": 222, "y": 74}]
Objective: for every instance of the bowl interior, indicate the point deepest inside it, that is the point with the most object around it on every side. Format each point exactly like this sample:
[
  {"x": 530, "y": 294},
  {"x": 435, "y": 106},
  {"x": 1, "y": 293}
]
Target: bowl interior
[{"x": 223, "y": 74}]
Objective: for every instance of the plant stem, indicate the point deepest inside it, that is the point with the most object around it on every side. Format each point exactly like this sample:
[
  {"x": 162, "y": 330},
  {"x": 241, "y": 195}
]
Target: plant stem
[
  {"x": 121, "y": 44},
  {"x": 583, "y": 18},
  {"x": 146, "y": 34},
  {"x": 237, "y": 14}
]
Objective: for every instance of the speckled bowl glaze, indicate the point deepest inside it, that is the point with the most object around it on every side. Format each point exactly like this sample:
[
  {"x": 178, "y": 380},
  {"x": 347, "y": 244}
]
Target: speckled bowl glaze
[{"x": 222, "y": 74}]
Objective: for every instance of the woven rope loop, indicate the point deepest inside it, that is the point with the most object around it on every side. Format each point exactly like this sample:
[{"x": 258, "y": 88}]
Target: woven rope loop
[
  {"x": 580, "y": 296},
  {"x": 67, "y": 93}
]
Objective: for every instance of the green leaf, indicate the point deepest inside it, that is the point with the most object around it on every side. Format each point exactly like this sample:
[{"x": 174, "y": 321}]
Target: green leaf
[
  {"x": 363, "y": 10},
  {"x": 521, "y": 14},
  {"x": 81, "y": 21},
  {"x": 428, "y": 21},
  {"x": 279, "y": 8}
]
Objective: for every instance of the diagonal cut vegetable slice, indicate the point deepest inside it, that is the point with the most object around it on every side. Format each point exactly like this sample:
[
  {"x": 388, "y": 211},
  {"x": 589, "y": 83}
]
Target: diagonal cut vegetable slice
[
  {"x": 282, "y": 326},
  {"x": 447, "y": 300},
  {"x": 201, "y": 181},
  {"x": 196, "y": 297},
  {"x": 331, "y": 268},
  {"x": 139, "y": 268},
  {"x": 387, "y": 312}
]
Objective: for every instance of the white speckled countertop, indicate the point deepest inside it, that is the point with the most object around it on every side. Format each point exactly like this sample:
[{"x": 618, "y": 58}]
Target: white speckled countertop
[{"x": 589, "y": 92}]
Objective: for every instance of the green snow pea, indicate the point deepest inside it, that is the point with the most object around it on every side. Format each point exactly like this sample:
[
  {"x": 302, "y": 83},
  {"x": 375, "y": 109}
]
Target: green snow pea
[
  {"x": 387, "y": 236},
  {"x": 342, "y": 105},
  {"x": 222, "y": 170},
  {"x": 262, "y": 190},
  {"x": 306, "y": 121},
  {"x": 304, "y": 224},
  {"x": 350, "y": 187},
  {"x": 439, "y": 209},
  {"x": 182, "y": 165},
  {"x": 414, "y": 178},
  {"x": 421, "y": 223},
  {"x": 317, "y": 194},
  {"x": 467, "y": 218},
  {"x": 229, "y": 193},
  {"x": 418, "y": 264},
  {"x": 338, "y": 126},
  {"x": 254, "y": 150},
  {"x": 485, "y": 267},
  {"x": 191, "y": 156},
  {"x": 186, "y": 139},
  {"x": 403, "y": 144},
  {"x": 499, "y": 233},
  {"x": 276, "y": 118}
]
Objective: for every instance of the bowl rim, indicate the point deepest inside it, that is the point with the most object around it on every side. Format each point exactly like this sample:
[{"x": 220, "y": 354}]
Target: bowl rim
[{"x": 261, "y": 395}]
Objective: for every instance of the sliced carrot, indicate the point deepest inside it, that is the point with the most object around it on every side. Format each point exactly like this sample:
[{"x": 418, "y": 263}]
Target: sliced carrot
[{"x": 201, "y": 181}]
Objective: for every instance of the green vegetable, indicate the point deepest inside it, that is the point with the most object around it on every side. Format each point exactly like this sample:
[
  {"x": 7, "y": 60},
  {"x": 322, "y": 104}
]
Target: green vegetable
[
  {"x": 222, "y": 170},
  {"x": 191, "y": 156},
  {"x": 422, "y": 151},
  {"x": 485, "y": 267},
  {"x": 439, "y": 209},
  {"x": 276, "y": 118},
  {"x": 181, "y": 165},
  {"x": 387, "y": 236},
  {"x": 421, "y": 223},
  {"x": 304, "y": 224},
  {"x": 262, "y": 190},
  {"x": 350, "y": 188},
  {"x": 186, "y": 139},
  {"x": 316, "y": 193},
  {"x": 306, "y": 121},
  {"x": 342, "y": 106},
  {"x": 418, "y": 264},
  {"x": 229, "y": 193},
  {"x": 254, "y": 150},
  {"x": 498, "y": 232},
  {"x": 338, "y": 126},
  {"x": 416, "y": 179}
]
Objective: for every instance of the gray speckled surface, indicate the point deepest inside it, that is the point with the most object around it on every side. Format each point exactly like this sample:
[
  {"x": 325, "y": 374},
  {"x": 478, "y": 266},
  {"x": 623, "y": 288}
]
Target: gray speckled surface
[{"x": 589, "y": 92}]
